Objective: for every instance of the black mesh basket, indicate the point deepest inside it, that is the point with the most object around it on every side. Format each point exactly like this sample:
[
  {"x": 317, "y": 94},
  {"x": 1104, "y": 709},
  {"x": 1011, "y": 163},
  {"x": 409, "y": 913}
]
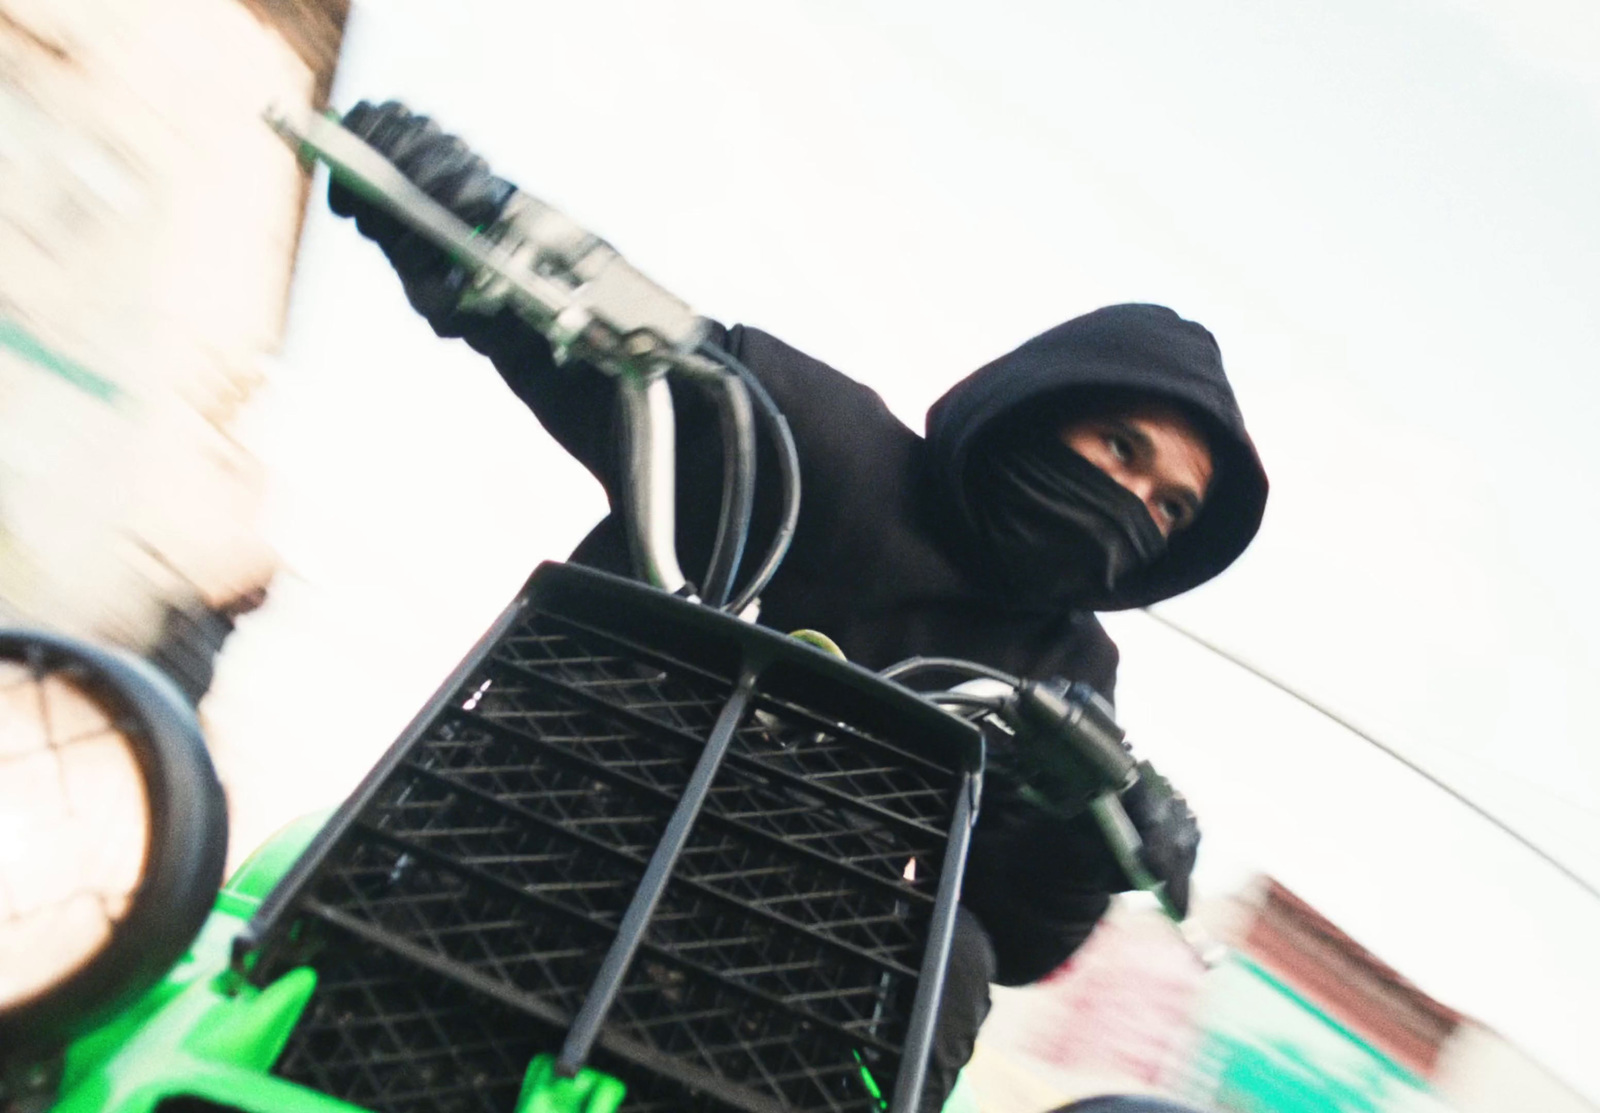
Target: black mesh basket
[{"x": 708, "y": 859}]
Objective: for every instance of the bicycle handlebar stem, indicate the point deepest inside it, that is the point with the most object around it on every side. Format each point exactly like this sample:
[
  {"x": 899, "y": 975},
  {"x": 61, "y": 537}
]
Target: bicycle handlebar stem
[
  {"x": 649, "y": 434},
  {"x": 592, "y": 305}
]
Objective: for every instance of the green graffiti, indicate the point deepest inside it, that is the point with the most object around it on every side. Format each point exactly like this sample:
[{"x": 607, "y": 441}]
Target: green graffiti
[
  {"x": 15, "y": 338},
  {"x": 1269, "y": 1049},
  {"x": 1279, "y": 1078}
]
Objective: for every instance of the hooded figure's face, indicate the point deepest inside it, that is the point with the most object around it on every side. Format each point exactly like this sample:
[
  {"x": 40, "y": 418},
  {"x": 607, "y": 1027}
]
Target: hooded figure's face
[
  {"x": 1068, "y": 509},
  {"x": 1099, "y": 490},
  {"x": 1153, "y": 452}
]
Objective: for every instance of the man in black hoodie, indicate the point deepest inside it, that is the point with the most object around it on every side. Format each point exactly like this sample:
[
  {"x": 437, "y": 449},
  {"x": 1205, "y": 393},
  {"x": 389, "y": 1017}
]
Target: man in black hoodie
[{"x": 1102, "y": 465}]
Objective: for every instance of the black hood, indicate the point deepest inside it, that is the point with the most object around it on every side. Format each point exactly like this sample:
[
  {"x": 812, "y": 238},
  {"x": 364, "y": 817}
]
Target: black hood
[{"x": 1146, "y": 351}]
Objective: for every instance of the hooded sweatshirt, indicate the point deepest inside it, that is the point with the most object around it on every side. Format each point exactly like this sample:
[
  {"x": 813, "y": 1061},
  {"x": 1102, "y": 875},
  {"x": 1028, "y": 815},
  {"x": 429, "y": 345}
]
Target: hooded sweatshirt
[{"x": 885, "y": 559}]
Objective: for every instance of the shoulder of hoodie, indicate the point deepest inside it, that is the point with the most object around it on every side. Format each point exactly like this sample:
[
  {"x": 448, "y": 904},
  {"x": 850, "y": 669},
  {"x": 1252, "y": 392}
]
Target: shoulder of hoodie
[
  {"x": 836, "y": 421},
  {"x": 845, "y": 426},
  {"x": 1098, "y": 654}
]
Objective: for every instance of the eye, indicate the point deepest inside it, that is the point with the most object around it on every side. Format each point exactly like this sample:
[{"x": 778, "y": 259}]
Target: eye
[
  {"x": 1176, "y": 512},
  {"x": 1121, "y": 448}
]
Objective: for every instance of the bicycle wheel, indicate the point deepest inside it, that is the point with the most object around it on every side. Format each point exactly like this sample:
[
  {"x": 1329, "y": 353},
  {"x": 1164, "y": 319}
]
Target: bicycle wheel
[
  {"x": 1118, "y": 1103},
  {"x": 113, "y": 835}
]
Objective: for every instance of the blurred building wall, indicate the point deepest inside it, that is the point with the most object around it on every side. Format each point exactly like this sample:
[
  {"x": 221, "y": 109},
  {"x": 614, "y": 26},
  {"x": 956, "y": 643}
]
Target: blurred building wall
[
  {"x": 1298, "y": 1018},
  {"x": 1479, "y": 1072},
  {"x": 1114, "y": 1019},
  {"x": 1346, "y": 981},
  {"x": 148, "y": 222}
]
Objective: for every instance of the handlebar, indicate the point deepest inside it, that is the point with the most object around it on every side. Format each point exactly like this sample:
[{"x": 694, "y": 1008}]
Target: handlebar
[
  {"x": 596, "y": 307},
  {"x": 1070, "y": 753},
  {"x": 652, "y": 474}
]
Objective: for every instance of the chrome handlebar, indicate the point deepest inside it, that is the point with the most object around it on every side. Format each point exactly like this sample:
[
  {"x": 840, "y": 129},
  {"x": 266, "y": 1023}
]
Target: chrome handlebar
[
  {"x": 581, "y": 294},
  {"x": 1071, "y": 745},
  {"x": 596, "y": 307},
  {"x": 650, "y": 489}
]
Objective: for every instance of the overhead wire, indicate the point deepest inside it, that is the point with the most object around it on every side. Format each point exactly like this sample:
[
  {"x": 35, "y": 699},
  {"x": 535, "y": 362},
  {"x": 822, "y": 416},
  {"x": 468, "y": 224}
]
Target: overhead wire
[{"x": 1377, "y": 743}]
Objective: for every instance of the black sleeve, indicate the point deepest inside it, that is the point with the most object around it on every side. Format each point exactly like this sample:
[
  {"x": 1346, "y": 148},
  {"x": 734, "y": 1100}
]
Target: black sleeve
[
  {"x": 1099, "y": 670},
  {"x": 577, "y": 405},
  {"x": 1034, "y": 925},
  {"x": 837, "y": 422},
  {"x": 1030, "y": 943},
  {"x": 1081, "y": 651},
  {"x": 1038, "y": 882},
  {"x": 574, "y": 402}
]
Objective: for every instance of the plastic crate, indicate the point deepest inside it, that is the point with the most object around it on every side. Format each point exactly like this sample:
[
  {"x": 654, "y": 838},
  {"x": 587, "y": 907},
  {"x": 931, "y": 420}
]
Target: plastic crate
[{"x": 729, "y": 858}]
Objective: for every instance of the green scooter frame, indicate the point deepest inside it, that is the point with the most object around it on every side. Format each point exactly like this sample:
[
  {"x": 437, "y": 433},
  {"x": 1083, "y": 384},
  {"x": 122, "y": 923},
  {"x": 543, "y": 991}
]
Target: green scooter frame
[{"x": 206, "y": 1033}]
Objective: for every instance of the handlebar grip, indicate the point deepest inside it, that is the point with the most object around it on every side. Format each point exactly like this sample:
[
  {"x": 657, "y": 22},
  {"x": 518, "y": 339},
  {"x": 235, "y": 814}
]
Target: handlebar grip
[{"x": 1083, "y": 720}]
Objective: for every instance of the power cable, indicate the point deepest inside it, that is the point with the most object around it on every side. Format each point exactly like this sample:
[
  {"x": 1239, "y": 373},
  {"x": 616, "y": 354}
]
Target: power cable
[{"x": 1327, "y": 712}]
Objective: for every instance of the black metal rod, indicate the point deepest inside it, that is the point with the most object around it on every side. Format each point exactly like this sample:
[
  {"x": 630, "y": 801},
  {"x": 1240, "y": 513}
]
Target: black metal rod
[
  {"x": 708, "y": 891},
  {"x": 626, "y": 716},
  {"x": 831, "y": 864},
  {"x": 630, "y": 933},
  {"x": 280, "y": 899},
  {"x": 641, "y": 1055},
  {"x": 936, "y": 959},
  {"x": 793, "y": 1004},
  {"x": 653, "y": 655}
]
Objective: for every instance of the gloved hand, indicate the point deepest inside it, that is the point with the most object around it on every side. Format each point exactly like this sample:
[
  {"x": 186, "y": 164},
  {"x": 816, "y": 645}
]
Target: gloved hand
[
  {"x": 1169, "y": 831},
  {"x": 444, "y": 168}
]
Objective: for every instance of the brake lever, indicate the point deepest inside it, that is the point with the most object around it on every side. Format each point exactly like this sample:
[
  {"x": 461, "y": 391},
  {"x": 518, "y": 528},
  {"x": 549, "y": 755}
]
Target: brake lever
[
  {"x": 567, "y": 282},
  {"x": 1070, "y": 748},
  {"x": 592, "y": 305}
]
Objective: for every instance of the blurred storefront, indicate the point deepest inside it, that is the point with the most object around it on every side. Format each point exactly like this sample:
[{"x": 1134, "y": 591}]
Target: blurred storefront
[
  {"x": 1291, "y": 1016},
  {"x": 148, "y": 223}
]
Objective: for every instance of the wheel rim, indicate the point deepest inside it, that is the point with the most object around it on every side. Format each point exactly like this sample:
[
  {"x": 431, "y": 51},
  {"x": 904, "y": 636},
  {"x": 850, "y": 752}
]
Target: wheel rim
[{"x": 116, "y": 832}]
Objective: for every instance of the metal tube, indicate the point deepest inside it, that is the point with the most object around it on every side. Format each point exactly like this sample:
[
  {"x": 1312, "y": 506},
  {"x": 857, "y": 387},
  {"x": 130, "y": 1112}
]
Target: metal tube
[
  {"x": 1126, "y": 845},
  {"x": 936, "y": 959},
  {"x": 630, "y": 933},
  {"x": 651, "y": 479},
  {"x": 282, "y": 896},
  {"x": 357, "y": 165}
]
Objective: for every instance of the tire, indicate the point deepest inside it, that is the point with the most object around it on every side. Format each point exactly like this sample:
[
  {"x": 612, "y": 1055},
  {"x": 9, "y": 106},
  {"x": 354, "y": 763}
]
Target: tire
[
  {"x": 185, "y": 848},
  {"x": 1125, "y": 1103}
]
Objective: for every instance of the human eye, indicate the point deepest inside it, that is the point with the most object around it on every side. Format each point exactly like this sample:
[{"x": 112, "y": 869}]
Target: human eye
[
  {"x": 1176, "y": 512},
  {"x": 1120, "y": 447}
]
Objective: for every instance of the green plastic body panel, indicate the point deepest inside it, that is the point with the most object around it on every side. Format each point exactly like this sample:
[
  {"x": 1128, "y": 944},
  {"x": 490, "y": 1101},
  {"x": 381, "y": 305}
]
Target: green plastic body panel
[
  {"x": 589, "y": 1091},
  {"x": 204, "y": 1032}
]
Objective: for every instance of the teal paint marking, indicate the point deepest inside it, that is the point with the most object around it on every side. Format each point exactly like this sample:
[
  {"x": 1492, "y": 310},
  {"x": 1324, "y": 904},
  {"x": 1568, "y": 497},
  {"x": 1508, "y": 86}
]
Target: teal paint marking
[
  {"x": 1271, "y": 1049},
  {"x": 15, "y": 338},
  {"x": 1383, "y": 1061},
  {"x": 204, "y": 1033}
]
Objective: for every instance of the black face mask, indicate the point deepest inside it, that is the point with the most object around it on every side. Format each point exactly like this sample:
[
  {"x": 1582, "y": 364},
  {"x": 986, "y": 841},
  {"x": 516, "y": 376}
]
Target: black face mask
[{"x": 1059, "y": 528}]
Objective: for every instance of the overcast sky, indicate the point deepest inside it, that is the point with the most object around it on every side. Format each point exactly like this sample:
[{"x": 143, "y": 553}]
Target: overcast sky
[{"x": 1386, "y": 213}]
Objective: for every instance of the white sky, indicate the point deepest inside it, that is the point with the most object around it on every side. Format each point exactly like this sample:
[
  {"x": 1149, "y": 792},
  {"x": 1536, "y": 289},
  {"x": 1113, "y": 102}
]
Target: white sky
[{"x": 1385, "y": 211}]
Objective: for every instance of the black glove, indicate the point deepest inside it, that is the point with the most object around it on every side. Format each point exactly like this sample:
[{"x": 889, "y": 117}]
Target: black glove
[
  {"x": 1049, "y": 859},
  {"x": 445, "y": 169},
  {"x": 1169, "y": 830}
]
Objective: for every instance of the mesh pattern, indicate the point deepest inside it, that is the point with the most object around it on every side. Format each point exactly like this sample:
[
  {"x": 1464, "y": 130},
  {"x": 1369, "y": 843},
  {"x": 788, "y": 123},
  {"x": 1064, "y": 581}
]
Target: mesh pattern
[
  {"x": 460, "y": 920},
  {"x": 383, "y": 1034}
]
